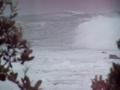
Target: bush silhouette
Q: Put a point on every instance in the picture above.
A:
(113, 80)
(13, 48)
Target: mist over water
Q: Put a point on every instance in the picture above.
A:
(55, 30)
(70, 30)
(68, 47)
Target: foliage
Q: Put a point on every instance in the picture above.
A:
(99, 84)
(113, 80)
(13, 48)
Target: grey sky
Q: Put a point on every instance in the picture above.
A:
(39, 6)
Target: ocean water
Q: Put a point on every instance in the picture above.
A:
(58, 62)
(54, 30)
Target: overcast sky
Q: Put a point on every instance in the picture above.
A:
(40, 6)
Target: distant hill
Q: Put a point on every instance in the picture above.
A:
(54, 17)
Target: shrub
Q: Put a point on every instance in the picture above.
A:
(113, 80)
(13, 48)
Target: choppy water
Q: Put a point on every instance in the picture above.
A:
(51, 29)
(60, 66)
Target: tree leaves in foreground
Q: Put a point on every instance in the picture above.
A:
(113, 80)
(13, 48)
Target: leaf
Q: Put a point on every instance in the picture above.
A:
(30, 58)
(10, 65)
(4, 58)
(1, 33)
(29, 51)
(38, 84)
(5, 70)
(27, 81)
(12, 76)
(22, 80)
(2, 77)
(6, 53)
(13, 16)
(21, 87)
(1, 4)
(2, 41)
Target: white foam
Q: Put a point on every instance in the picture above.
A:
(100, 33)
